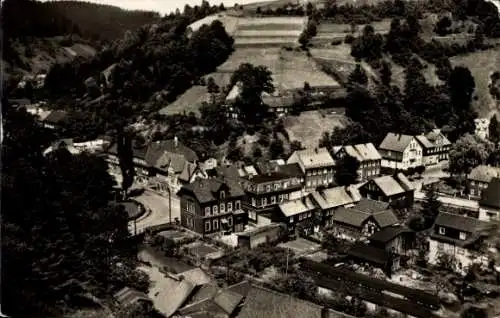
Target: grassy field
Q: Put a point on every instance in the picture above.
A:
(309, 127)
(190, 101)
(482, 65)
(271, 26)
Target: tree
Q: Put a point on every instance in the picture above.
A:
(62, 235)
(347, 171)
(257, 153)
(468, 152)
(358, 77)
(126, 159)
(276, 148)
(368, 46)
(296, 145)
(386, 73)
(443, 25)
(474, 312)
(431, 206)
(254, 81)
(494, 130)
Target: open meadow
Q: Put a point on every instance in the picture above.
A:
(309, 126)
(188, 102)
(482, 64)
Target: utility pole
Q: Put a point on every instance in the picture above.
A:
(286, 268)
(169, 204)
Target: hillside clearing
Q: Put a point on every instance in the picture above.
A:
(482, 65)
(308, 127)
(188, 102)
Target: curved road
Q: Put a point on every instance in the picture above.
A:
(157, 206)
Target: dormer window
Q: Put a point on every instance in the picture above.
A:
(222, 194)
(442, 230)
(463, 236)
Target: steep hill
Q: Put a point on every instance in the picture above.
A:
(37, 34)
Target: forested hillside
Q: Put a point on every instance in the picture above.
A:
(23, 21)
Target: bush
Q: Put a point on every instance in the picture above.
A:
(336, 42)
(348, 39)
(417, 224)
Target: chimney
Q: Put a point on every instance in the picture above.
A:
(176, 141)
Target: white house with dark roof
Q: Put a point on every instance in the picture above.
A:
(368, 156)
(459, 237)
(299, 211)
(401, 152)
(317, 165)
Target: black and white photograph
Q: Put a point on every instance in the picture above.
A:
(250, 159)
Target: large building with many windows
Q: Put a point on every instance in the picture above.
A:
(212, 205)
(317, 165)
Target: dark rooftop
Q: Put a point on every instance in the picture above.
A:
(458, 222)
(387, 234)
(292, 169)
(205, 190)
(56, 117)
(370, 254)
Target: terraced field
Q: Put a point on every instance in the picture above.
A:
(328, 32)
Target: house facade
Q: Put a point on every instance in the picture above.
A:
(299, 215)
(458, 238)
(264, 192)
(397, 190)
(363, 220)
(479, 179)
(211, 206)
(441, 144)
(317, 165)
(329, 200)
(401, 152)
(370, 161)
(489, 205)
(396, 239)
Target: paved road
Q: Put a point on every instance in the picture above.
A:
(158, 207)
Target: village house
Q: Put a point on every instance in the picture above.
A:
(299, 214)
(329, 200)
(279, 105)
(489, 205)
(317, 165)
(363, 220)
(479, 178)
(264, 192)
(401, 152)
(397, 190)
(440, 143)
(367, 155)
(261, 235)
(164, 165)
(364, 254)
(55, 120)
(457, 237)
(212, 205)
(396, 239)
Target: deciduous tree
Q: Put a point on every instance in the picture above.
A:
(347, 171)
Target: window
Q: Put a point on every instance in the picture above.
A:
(268, 188)
(230, 220)
(291, 219)
(229, 206)
(254, 203)
(273, 199)
(463, 236)
(442, 231)
(207, 211)
(252, 215)
(276, 186)
(324, 171)
(216, 225)
(190, 206)
(460, 251)
(237, 205)
(215, 209)
(309, 214)
(308, 183)
(285, 185)
(207, 226)
(222, 194)
(440, 246)
(264, 201)
(280, 198)
(222, 208)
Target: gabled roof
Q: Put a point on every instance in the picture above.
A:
(175, 146)
(294, 207)
(313, 158)
(391, 185)
(188, 171)
(335, 197)
(362, 152)
(395, 142)
(205, 189)
(365, 209)
(484, 173)
(426, 143)
(292, 169)
(389, 233)
(458, 222)
(385, 218)
(491, 197)
(371, 206)
(228, 300)
(350, 217)
(436, 134)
